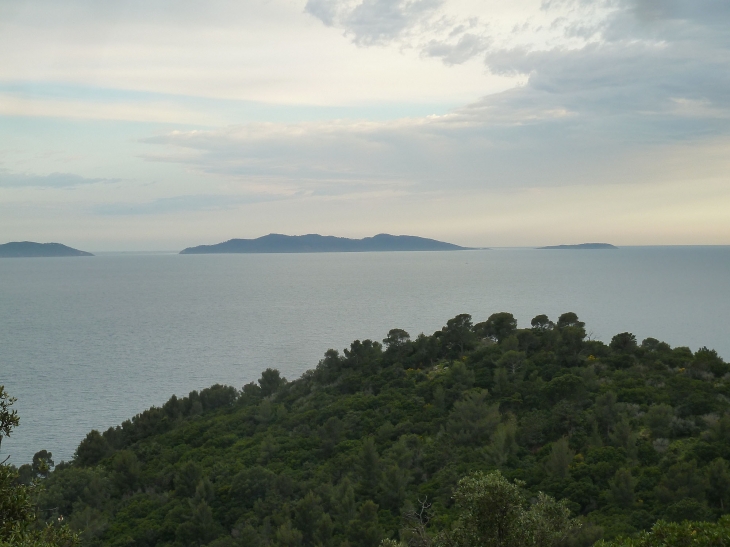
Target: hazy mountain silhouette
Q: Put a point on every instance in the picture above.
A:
(315, 243)
(21, 249)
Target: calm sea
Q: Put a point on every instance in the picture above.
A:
(86, 343)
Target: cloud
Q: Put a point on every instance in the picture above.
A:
(9, 179)
(629, 82)
(622, 101)
(467, 46)
(179, 204)
(169, 111)
(485, 147)
(642, 78)
(599, 55)
(371, 22)
(269, 51)
(457, 32)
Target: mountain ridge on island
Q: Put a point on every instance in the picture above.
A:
(315, 243)
(581, 246)
(31, 249)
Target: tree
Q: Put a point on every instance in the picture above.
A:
(457, 335)
(92, 449)
(699, 534)
(363, 355)
(364, 530)
(659, 419)
(570, 319)
(397, 344)
(126, 471)
(541, 323)
(8, 417)
(287, 536)
(494, 512)
(396, 338)
(503, 443)
(187, 479)
(331, 434)
(309, 517)
(498, 326)
(42, 463)
(473, 420)
(622, 488)
(561, 456)
(512, 361)
(369, 467)
(17, 510)
(270, 381)
(605, 410)
(718, 479)
(624, 342)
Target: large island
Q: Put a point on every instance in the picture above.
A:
(30, 249)
(315, 243)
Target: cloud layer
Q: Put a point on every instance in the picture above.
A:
(52, 180)
(564, 103)
(643, 99)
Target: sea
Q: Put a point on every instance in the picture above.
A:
(86, 343)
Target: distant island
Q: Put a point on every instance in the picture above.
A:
(315, 243)
(582, 246)
(30, 249)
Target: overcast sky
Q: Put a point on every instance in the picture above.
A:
(159, 124)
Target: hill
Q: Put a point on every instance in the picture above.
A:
(627, 432)
(315, 243)
(581, 246)
(24, 249)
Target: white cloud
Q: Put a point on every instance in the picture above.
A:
(260, 50)
(9, 179)
(150, 111)
(477, 149)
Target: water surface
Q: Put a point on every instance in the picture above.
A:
(86, 343)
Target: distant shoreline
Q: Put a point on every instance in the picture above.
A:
(581, 246)
(315, 243)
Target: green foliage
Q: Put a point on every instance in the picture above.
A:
(18, 524)
(496, 513)
(8, 416)
(627, 434)
(684, 534)
(498, 326)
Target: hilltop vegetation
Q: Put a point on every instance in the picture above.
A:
(627, 433)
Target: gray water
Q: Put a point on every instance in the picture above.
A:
(86, 343)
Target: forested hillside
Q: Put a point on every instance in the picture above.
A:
(627, 432)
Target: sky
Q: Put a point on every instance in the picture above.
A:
(161, 124)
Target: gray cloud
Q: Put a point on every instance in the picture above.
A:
(630, 55)
(324, 10)
(9, 179)
(467, 46)
(667, 64)
(372, 21)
